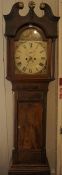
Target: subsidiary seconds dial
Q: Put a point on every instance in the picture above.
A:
(30, 56)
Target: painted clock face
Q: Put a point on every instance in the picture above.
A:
(30, 52)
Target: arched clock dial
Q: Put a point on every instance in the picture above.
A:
(30, 56)
(30, 51)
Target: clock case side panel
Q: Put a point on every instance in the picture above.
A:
(10, 59)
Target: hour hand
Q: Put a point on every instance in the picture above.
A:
(30, 58)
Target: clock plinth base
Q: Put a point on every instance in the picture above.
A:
(32, 169)
(26, 167)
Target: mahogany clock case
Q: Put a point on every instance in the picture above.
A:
(29, 154)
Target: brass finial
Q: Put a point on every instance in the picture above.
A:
(42, 5)
(31, 4)
(21, 5)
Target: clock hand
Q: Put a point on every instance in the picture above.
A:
(30, 59)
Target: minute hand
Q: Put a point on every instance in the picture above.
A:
(30, 59)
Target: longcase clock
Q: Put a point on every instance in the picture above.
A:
(30, 68)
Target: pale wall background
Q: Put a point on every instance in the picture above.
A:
(7, 96)
(59, 109)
